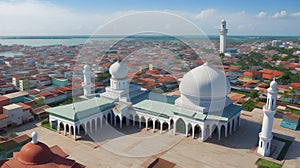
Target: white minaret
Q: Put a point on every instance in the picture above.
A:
(86, 80)
(223, 36)
(265, 136)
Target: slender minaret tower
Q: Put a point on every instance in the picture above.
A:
(265, 136)
(87, 80)
(223, 36)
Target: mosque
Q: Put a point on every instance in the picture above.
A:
(202, 109)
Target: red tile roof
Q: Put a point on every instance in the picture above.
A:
(24, 106)
(3, 116)
(251, 73)
(296, 86)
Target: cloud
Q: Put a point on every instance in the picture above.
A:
(297, 14)
(261, 14)
(280, 14)
(205, 14)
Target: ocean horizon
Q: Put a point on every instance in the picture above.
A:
(73, 40)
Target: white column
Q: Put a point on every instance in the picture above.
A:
(153, 123)
(146, 124)
(174, 128)
(65, 131)
(226, 130)
(85, 128)
(140, 123)
(58, 127)
(133, 120)
(161, 128)
(193, 132)
(169, 126)
(74, 130)
(101, 118)
(203, 132)
(186, 129)
(78, 129)
(121, 121)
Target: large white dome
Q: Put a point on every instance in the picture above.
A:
(118, 70)
(205, 82)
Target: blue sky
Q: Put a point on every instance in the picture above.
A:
(66, 17)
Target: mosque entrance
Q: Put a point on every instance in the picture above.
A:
(180, 126)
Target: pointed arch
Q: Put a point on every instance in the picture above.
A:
(180, 126)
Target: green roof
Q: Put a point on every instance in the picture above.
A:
(227, 114)
(82, 109)
(167, 110)
(156, 108)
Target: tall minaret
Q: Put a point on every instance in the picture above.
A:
(87, 80)
(223, 36)
(265, 136)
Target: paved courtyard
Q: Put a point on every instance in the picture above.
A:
(131, 147)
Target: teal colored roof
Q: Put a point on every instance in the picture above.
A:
(227, 114)
(82, 109)
(156, 108)
(290, 124)
(167, 110)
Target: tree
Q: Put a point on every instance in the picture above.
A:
(222, 55)
(254, 94)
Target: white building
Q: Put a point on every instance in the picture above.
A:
(86, 80)
(265, 136)
(223, 36)
(15, 113)
(203, 109)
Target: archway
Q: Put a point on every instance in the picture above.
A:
(223, 131)
(171, 124)
(131, 119)
(214, 131)
(150, 123)
(99, 122)
(72, 130)
(93, 125)
(165, 126)
(124, 121)
(197, 131)
(61, 127)
(117, 120)
(88, 127)
(109, 119)
(67, 129)
(143, 122)
(81, 129)
(190, 130)
(157, 125)
(136, 120)
(180, 126)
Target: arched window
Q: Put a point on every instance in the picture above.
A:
(268, 145)
(261, 144)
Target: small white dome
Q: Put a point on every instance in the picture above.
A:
(223, 21)
(205, 82)
(118, 70)
(273, 85)
(86, 67)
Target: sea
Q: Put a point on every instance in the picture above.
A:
(76, 40)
